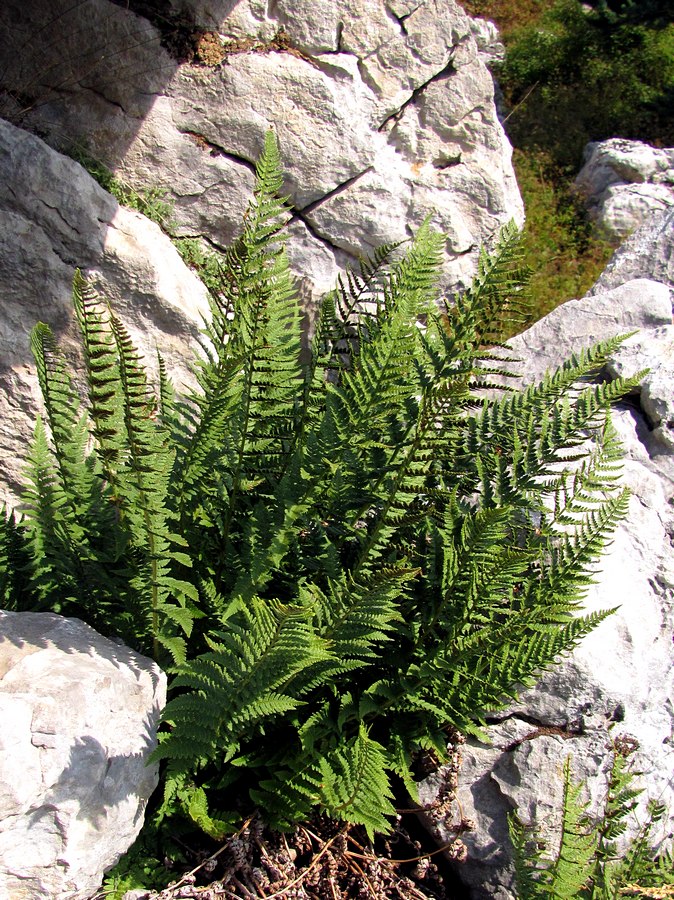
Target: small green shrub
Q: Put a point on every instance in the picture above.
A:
(576, 76)
(339, 559)
(586, 863)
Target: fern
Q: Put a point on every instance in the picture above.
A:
(569, 871)
(355, 785)
(339, 558)
(586, 862)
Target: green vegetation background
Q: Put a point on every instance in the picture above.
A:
(575, 73)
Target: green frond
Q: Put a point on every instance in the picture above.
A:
(241, 682)
(355, 786)
(361, 295)
(619, 806)
(91, 519)
(584, 862)
(528, 861)
(16, 588)
(496, 304)
(347, 317)
(573, 865)
(569, 569)
(48, 521)
(251, 380)
(194, 802)
(290, 793)
(569, 872)
(357, 617)
(102, 372)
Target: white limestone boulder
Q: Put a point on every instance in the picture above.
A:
(55, 218)
(648, 253)
(79, 717)
(384, 111)
(624, 183)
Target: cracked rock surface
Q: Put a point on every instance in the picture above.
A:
(619, 681)
(53, 218)
(384, 111)
(79, 716)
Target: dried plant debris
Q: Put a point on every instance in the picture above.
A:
(329, 860)
(324, 860)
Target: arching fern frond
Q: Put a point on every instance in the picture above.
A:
(240, 682)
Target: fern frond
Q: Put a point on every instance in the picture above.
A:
(573, 865)
(147, 463)
(102, 376)
(356, 617)
(355, 786)
(92, 520)
(246, 417)
(528, 861)
(48, 520)
(290, 793)
(569, 872)
(91, 537)
(241, 682)
(497, 303)
(568, 571)
(16, 588)
(194, 803)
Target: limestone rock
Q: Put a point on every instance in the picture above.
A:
(384, 111)
(54, 218)
(637, 304)
(619, 681)
(652, 350)
(488, 41)
(79, 716)
(624, 183)
(648, 253)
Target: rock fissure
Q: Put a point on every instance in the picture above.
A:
(58, 212)
(400, 20)
(339, 189)
(339, 36)
(280, 43)
(366, 77)
(313, 230)
(470, 249)
(566, 732)
(76, 86)
(207, 144)
(535, 722)
(447, 70)
(212, 243)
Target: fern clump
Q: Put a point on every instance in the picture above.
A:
(338, 559)
(587, 863)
